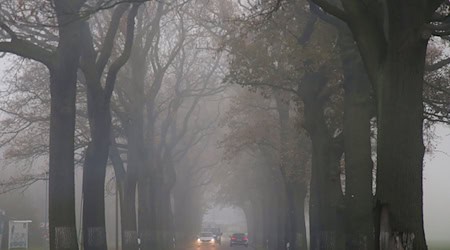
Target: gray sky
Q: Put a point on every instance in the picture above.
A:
(437, 188)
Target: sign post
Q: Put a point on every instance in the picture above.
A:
(18, 234)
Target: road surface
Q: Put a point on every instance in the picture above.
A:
(224, 246)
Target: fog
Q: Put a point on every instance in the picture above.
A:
(213, 124)
(436, 186)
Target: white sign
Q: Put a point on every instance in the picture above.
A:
(18, 234)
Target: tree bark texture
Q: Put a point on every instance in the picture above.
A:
(63, 79)
(393, 48)
(99, 114)
(358, 108)
(294, 189)
(94, 231)
(326, 208)
(400, 146)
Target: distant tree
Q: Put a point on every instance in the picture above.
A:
(267, 129)
(294, 57)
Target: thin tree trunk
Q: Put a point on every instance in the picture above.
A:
(128, 212)
(167, 220)
(266, 222)
(300, 226)
(168, 184)
(273, 223)
(127, 192)
(250, 217)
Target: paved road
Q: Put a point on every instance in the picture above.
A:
(224, 246)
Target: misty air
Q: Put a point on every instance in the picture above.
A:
(224, 124)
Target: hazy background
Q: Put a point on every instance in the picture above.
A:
(437, 188)
(436, 191)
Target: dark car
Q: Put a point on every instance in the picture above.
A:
(239, 239)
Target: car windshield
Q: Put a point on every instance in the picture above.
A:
(239, 235)
(206, 235)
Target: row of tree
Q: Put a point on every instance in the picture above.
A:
(132, 84)
(354, 79)
(128, 86)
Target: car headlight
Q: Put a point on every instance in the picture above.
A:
(198, 240)
(212, 240)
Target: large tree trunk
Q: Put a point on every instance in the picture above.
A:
(294, 189)
(63, 79)
(393, 48)
(358, 162)
(326, 209)
(400, 141)
(296, 216)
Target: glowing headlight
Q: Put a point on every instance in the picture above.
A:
(212, 240)
(198, 240)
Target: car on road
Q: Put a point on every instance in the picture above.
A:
(206, 238)
(216, 232)
(238, 239)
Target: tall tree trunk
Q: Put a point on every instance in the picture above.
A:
(296, 233)
(169, 179)
(358, 162)
(158, 216)
(266, 222)
(393, 48)
(249, 214)
(300, 221)
(273, 223)
(141, 155)
(94, 172)
(258, 222)
(128, 212)
(294, 189)
(126, 184)
(166, 216)
(99, 98)
(326, 194)
(63, 79)
(400, 141)
(281, 217)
